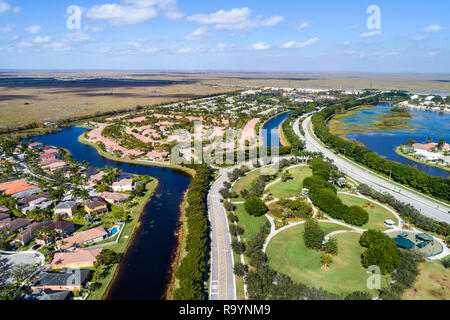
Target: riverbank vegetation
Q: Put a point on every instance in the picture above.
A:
(438, 187)
(192, 268)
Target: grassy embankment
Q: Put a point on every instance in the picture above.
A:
(127, 235)
(433, 283)
(288, 254)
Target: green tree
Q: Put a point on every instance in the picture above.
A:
(331, 246)
(107, 257)
(326, 259)
(313, 234)
(256, 207)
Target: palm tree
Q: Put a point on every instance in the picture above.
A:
(429, 139)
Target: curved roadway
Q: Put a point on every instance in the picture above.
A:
(428, 206)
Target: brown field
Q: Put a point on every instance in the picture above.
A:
(39, 97)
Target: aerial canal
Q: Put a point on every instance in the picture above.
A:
(143, 273)
(271, 138)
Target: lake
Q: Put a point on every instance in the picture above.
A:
(423, 124)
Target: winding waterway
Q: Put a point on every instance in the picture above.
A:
(270, 138)
(143, 272)
(423, 124)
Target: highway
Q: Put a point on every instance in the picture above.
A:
(222, 280)
(428, 206)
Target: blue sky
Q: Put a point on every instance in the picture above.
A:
(231, 35)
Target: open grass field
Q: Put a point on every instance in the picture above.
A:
(49, 96)
(250, 224)
(290, 188)
(377, 214)
(245, 182)
(433, 283)
(288, 254)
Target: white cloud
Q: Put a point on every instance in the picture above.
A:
(168, 6)
(6, 29)
(4, 6)
(58, 46)
(259, 46)
(40, 39)
(77, 36)
(347, 43)
(303, 26)
(25, 44)
(370, 34)
(234, 19)
(137, 43)
(434, 28)
(33, 29)
(16, 10)
(94, 29)
(189, 50)
(294, 44)
(419, 38)
(432, 53)
(121, 15)
(104, 50)
(198, 35)
(221, 47)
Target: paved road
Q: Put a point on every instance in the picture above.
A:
(222, 285)
(12, 259)
(427, 206)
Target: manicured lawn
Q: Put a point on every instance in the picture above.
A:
(250, 224)
(288, 254)
(433, 283)
(290, 188)
(377, 214)
(245, 182)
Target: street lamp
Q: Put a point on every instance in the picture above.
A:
(344, 151)
(390, 174)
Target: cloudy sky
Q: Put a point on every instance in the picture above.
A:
(283, 35)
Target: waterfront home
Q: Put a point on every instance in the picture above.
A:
(48, 157)
(97, 177)
(114, 198)
(66, 208)
(96, 205)
(35, 145)
(80, 258)
(46, 295)
(157, 155)
(64, 280)
(55, 165)
(123, 185)
(82, 238)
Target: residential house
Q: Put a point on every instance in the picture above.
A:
(24, 202)
(123, 185)
(157, 155)
(114, 198)
(28, 234)
(46, 295)
(82, 238)
(16, 225)
(80, 258)
(4, 209)
(35, 145)
(19, 189)
(61, 227)
(64, 280)
(97, 177)
(96, 206)
(66, 208)
(40, 203)
(4, 216)
(48, 157)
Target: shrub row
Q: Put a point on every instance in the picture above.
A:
(323, 195)
(191, 271)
